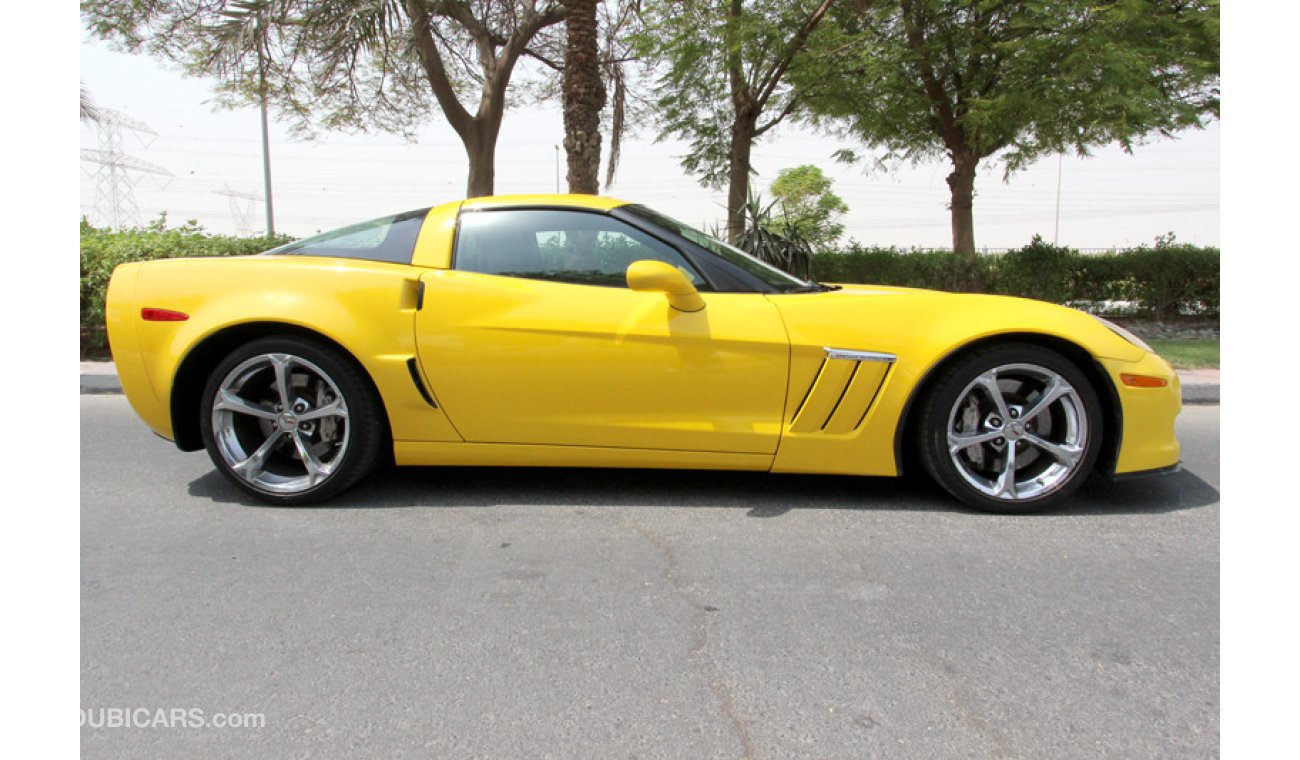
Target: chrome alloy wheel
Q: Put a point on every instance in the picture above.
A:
(1017, 432)
(280, 423)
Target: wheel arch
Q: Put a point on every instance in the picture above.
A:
(905, 453)
(203, 358)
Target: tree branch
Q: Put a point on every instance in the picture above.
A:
(949, 131)
(435, 71)
(735, 67)
(484, 40)
(543, 59)
(792, 49)
(789, 108)
(494, 92)
(534, 22)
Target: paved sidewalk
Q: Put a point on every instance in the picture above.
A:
(1200, 386)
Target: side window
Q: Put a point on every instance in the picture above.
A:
(564, 246)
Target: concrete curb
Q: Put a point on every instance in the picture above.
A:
(99, 384)
(1201, 394)
(1200, 386)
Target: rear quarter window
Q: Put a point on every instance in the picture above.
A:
(389, 238)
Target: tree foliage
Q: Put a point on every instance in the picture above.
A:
(1015, 79)
(347, 64)
(722, 69)
(810, 210)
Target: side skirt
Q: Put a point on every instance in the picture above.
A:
(423, 453)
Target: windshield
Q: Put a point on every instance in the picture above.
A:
(769, 274)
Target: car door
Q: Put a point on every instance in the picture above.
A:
(533, 337)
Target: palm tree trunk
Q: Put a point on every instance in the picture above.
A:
(584, 97)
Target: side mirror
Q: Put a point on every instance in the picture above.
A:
(658, 276)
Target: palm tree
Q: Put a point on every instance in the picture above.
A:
(89, 111)
(584, 96)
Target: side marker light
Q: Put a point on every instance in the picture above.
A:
(162, 315)
(1143, 381)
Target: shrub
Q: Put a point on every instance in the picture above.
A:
(1166, 280)
(1039, 270)
(1173, 278)
(887, 266)
(787, 249)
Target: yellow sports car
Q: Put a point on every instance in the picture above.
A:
(581, 331)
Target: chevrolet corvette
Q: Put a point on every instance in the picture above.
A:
(583, 331)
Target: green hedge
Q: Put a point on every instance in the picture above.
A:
(1166, 280)
(102, 250)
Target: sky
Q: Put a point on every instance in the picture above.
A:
(1109, 199)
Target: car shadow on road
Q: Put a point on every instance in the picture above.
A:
(1157, 493)
(759, 494)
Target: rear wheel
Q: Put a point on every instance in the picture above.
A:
(1011, 428)
(291, 420)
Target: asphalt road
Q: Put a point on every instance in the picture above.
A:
(576, 613)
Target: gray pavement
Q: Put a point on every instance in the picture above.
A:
(458, 612)
(1200, 386)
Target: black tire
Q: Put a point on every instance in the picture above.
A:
(330, 439)
(1035, 457)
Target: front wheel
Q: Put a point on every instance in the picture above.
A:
(291, 420)
(1013, 428)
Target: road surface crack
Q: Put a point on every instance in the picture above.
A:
(699, 639)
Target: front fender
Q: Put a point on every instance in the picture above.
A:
(920, 329)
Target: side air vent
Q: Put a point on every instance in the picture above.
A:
(842, 392)
(415, 378)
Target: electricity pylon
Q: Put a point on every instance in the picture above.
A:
(241, 208)
(116, 173)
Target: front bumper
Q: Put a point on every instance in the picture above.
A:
(1156, 473)
(1147, 441)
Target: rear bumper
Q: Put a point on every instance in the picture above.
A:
(122, 316)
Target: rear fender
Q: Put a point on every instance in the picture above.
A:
(370, 316)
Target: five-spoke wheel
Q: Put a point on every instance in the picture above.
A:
(1012, 428)
(291, 420)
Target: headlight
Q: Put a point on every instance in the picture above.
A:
(1125, 334)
